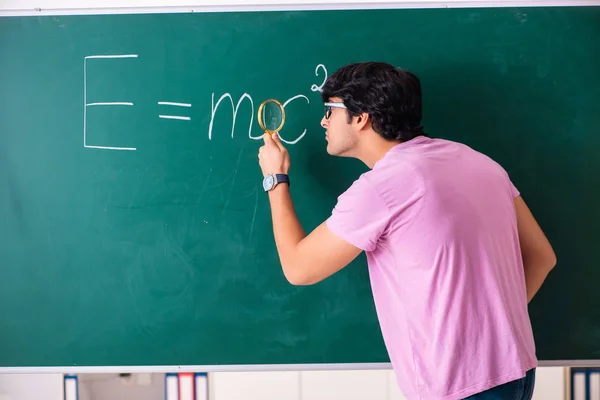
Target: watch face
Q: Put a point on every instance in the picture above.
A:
(268, 182)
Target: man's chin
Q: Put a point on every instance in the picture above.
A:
(335, 153)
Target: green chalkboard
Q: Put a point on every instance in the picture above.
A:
(131, 238)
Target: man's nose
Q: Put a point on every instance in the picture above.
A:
(324, 122)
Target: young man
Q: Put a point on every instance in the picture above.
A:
(454, 254)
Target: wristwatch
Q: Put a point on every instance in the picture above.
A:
(272, 180)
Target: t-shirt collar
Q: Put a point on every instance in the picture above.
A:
(403, 145)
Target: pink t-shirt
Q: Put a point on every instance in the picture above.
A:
(438, 224)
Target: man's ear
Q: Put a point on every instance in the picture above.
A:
(362, 121)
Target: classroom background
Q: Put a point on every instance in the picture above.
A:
(566, 108)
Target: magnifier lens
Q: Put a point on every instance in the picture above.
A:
(271, 116)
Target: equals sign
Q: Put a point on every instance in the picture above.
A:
(168, 103)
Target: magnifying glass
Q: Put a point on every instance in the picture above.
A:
(270, 112)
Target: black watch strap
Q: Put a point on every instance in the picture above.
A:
(282, 178)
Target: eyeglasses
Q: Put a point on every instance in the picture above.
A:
(330, 105)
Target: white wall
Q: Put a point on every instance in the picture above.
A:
(304, 385)
(347, 385)
(111, 386)
(293, 385)
(550, 383)
(31, 387)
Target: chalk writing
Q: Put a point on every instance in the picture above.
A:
(235, 106)
(170, 103)
(234, 110)
(316, 88)
(112, 103)
(174, 117)
(304, 132)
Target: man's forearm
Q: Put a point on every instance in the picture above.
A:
(287, 229)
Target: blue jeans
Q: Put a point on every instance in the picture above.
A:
(520, 389)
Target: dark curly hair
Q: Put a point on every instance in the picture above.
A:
(391, 96)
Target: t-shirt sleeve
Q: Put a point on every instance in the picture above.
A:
(360, 216)
(513, 190)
